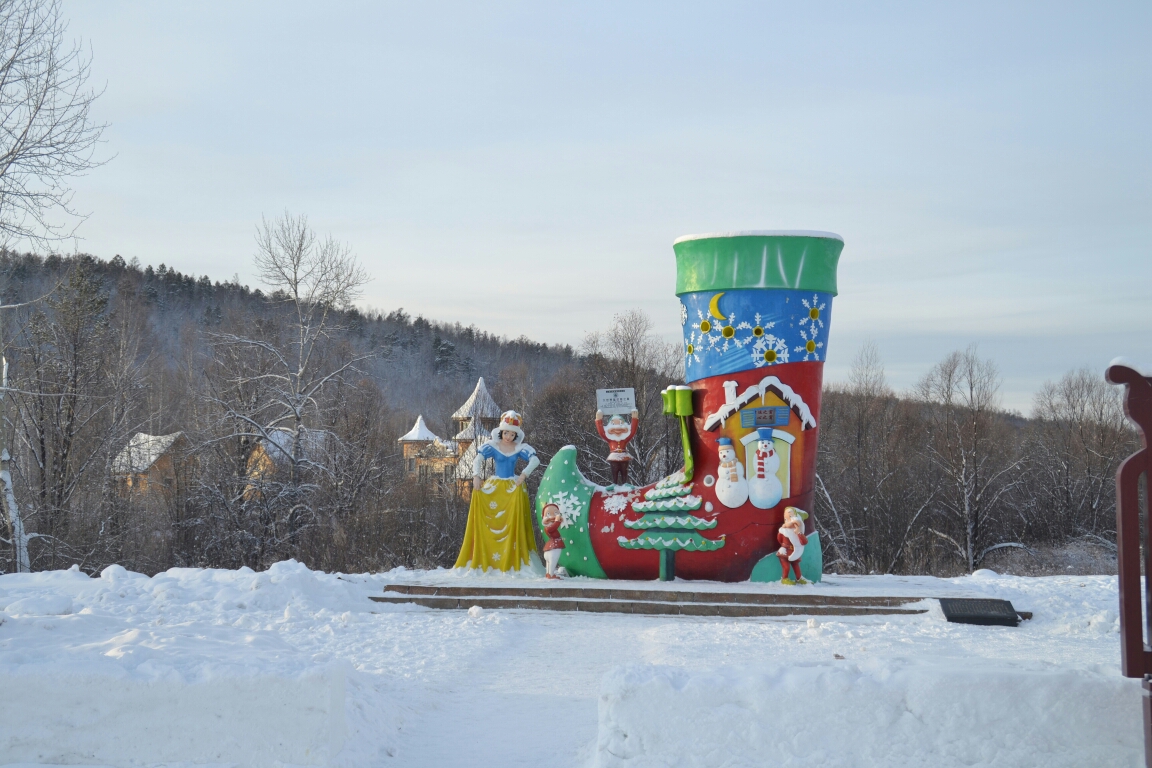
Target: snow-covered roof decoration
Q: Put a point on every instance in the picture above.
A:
(281, 438)
(473, 429)
(768, 383)
(479, 403)
(464, 465)
(438, 449)
(419, 433)
(142, 452)
(763, 233)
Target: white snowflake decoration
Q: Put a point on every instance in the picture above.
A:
(811, 348)
(691, 350)
(813, 317)
(706, 331)
(810, 326)
(712, 335)
(570, 508)
(683, 313)
(769, 350)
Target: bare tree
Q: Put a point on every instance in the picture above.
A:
(1078, 437)
(630, 354)
(78, 382)
(268, 384)
(47, 133)
(47, 136)
(971, 445)
(873, 485)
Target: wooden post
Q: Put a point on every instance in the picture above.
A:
(1135, 653)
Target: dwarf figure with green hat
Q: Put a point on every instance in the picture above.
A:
(792, 541)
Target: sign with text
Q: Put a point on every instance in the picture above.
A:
(774, 416)
(613, 401)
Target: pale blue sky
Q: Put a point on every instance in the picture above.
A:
(526, 167)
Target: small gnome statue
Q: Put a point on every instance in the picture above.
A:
(551, 520)
(792, 541)
(618, 433)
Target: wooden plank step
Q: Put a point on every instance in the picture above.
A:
(798, 596)
(643, 606)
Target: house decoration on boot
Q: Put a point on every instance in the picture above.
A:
(755, 308)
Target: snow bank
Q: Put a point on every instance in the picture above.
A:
(188, 666)
(119, 721)
(216, 667)
(890, 713)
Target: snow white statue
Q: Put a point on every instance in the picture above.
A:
(499, 531)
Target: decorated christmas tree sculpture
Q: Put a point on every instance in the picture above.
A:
(755, 309)
(666, 521)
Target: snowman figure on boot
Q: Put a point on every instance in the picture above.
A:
(792, 541)
(731, 487)
(764, 487)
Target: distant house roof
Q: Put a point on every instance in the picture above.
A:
(480, 403)
(419, 433)
(142, 452)
(313, 445)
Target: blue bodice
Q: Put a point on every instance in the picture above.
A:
(506, 464)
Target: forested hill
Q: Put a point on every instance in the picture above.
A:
(421, 365)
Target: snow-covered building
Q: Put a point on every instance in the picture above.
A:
(428, 457)
(272, 455)
(479, 415)
(149, 463)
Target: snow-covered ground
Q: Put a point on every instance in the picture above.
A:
(295, 667)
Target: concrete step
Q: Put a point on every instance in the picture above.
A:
(645, 601)
(799, 595)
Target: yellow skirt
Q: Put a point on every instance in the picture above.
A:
(499, 531)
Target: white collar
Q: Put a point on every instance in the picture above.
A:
(497, 443)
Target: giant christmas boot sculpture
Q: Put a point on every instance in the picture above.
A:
(756, 309)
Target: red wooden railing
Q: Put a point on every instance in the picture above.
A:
(1135, 612)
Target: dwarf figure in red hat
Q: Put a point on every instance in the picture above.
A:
(618, 433)
(792, 541)
(551, 520)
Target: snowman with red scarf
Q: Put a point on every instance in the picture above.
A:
(764, 488)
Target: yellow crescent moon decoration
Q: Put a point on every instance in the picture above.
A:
(714, 307)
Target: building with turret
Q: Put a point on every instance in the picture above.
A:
(428, 458)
